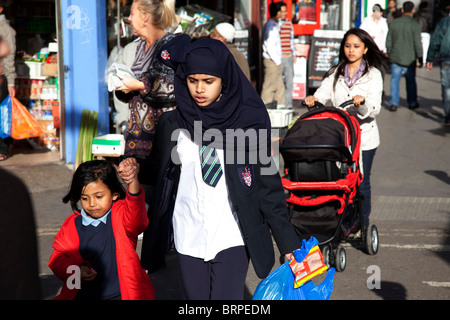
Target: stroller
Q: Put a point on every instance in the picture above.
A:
(321, 152)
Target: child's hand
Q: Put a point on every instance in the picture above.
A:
(87, 273)
(128, 170)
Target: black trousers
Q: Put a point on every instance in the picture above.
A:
(222, 278)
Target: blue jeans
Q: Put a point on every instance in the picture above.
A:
(445, 83)
(411, 86)
(365, 192)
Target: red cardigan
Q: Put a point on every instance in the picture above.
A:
(129, 219)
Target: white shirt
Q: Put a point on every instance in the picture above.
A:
(271, 42)
(377, 30)
(203, 221)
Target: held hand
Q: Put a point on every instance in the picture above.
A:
(128, 170)
(290, 255)
(12, 91)
(130, 84)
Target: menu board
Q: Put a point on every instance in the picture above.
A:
(324, 54)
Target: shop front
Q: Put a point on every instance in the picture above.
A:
(64, 48)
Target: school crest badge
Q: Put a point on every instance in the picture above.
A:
(246, 176)
(165, 55)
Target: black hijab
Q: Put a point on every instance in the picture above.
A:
(239, 107)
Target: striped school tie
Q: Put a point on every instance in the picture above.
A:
(211, 168)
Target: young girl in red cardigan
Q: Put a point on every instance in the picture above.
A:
(95, 250)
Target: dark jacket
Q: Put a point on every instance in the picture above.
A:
(403, 42)
(260, 208)
(439, 48)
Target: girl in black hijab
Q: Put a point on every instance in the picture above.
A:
(220, 211)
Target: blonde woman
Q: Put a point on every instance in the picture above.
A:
(151, 92)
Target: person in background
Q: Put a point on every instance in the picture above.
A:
(425, 19)
(358, 76)
(273, 86)
(391, 12)
(8, 75)
(288, 55)
(377, 27)
(439, 51)
(404, 49)
(225, 32)
(151, 92)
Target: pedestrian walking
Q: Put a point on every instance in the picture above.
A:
(288, 55)
(425, 19)
(225, 32)
(377, 27)
(358, 76)
(7, 71)
(273, 86)
(439, 51)
(391, 12)
(100, 239)
(222, 211)
(404, 49)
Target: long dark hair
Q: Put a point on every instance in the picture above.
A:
(374, 56)
(91, 171)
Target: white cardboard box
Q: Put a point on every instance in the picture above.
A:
(280, 118)
(108, 145)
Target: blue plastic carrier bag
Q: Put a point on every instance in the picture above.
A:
(279, 285)
(5, 118)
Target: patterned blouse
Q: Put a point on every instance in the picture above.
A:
(147, 105)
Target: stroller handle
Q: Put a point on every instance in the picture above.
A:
(345, 104)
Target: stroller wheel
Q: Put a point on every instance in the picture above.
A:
(340, 259)
(326, 254)
(372, 243)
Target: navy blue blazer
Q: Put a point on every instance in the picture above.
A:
(260, 205)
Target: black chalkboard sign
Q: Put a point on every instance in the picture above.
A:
(324, 54)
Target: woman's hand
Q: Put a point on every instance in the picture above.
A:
(358, 100)
(130, 84)
(310, 100)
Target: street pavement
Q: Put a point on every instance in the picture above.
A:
(411, 208)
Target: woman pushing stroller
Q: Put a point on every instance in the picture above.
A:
(358, 77)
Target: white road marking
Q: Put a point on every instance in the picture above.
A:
(437, 284)
(432, 247)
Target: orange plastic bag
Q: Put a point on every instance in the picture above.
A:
(23, 124)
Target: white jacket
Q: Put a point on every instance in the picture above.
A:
(369, 86)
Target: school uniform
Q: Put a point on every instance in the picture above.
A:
(121, 227)
(244, 209)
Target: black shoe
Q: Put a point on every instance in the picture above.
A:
(446, 123)
(414, 107)
(393, 107)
